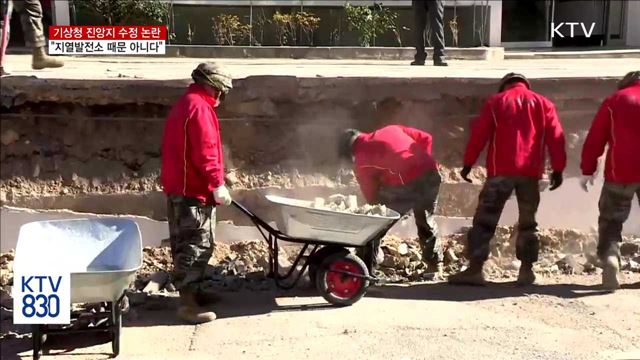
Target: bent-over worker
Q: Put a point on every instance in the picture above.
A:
(394, 167)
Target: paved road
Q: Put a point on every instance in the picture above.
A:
(425, 321)
(180, 68)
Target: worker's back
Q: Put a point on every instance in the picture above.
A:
(399, 154)
(617, 124)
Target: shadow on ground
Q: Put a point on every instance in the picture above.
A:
(56, 345)
(252, 303)
(162, 313)
(444, 292)
(228, 305)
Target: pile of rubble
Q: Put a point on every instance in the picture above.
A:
(562, 251)
(8, 330)
(241, 265)
(6, 280)
(244, 265)
(349, 204)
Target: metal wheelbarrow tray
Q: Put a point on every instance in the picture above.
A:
(341, 277)
(102, 256)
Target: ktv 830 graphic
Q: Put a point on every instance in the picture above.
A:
(41, 297)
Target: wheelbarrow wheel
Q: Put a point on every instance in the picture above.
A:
(37, 337)
(116, 329)
(335, 283)
(316, 259)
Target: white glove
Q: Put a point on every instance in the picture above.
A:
(586, 181)
(222, 196)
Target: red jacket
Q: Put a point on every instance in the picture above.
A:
(394, 155)
(617, 124)
(518, 124)
(191, 147)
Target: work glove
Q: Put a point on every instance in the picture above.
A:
(464, 173)
(555, 180)
(586, 181)
(222, 196)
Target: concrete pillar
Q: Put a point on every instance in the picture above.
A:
(61, 13)
(632, 33)
(495, 23)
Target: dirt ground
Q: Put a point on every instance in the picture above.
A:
(566, 317)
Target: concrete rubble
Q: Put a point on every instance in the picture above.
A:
(244, 266)
(349, 204)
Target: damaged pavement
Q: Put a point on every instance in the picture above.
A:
(242, 267)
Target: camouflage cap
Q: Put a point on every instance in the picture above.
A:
(214, 75)
(629, 79)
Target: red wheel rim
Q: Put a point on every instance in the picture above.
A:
(343, 285)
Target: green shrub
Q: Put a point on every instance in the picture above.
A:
(370, 22)
(127, 12)
(285, 27)
(228, 30)
(288, 26)
(308, 23)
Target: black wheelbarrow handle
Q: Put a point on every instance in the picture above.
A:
(254, 218)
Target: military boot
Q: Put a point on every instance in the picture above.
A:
(206, 297)
(440, 62)
(472, 276)
(41, 60)
(610, 269)
(526, 276)
(191, 312)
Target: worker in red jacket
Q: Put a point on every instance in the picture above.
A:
(617, 124)
(193, 179)
(394, 167)
(519, 125)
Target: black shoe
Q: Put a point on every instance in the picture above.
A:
(440, 63)
(2, 72)
(417, 62)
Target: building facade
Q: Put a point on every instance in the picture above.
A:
(507, 23)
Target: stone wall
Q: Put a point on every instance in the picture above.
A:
(104, 136)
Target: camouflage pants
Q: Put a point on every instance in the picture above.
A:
(614, 205)
(494, 195)
(30, 12)
(191, 226)
(421, 196)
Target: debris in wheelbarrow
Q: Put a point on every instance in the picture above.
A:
(349, 204)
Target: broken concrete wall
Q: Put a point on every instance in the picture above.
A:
(66, 143)
(270, 120)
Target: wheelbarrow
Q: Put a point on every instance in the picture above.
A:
(341, 277)
(102, 255)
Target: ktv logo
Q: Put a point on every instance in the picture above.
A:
(41, 298)
(555, 29)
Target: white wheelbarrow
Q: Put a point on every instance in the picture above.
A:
(340, 277)
(102, 255)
